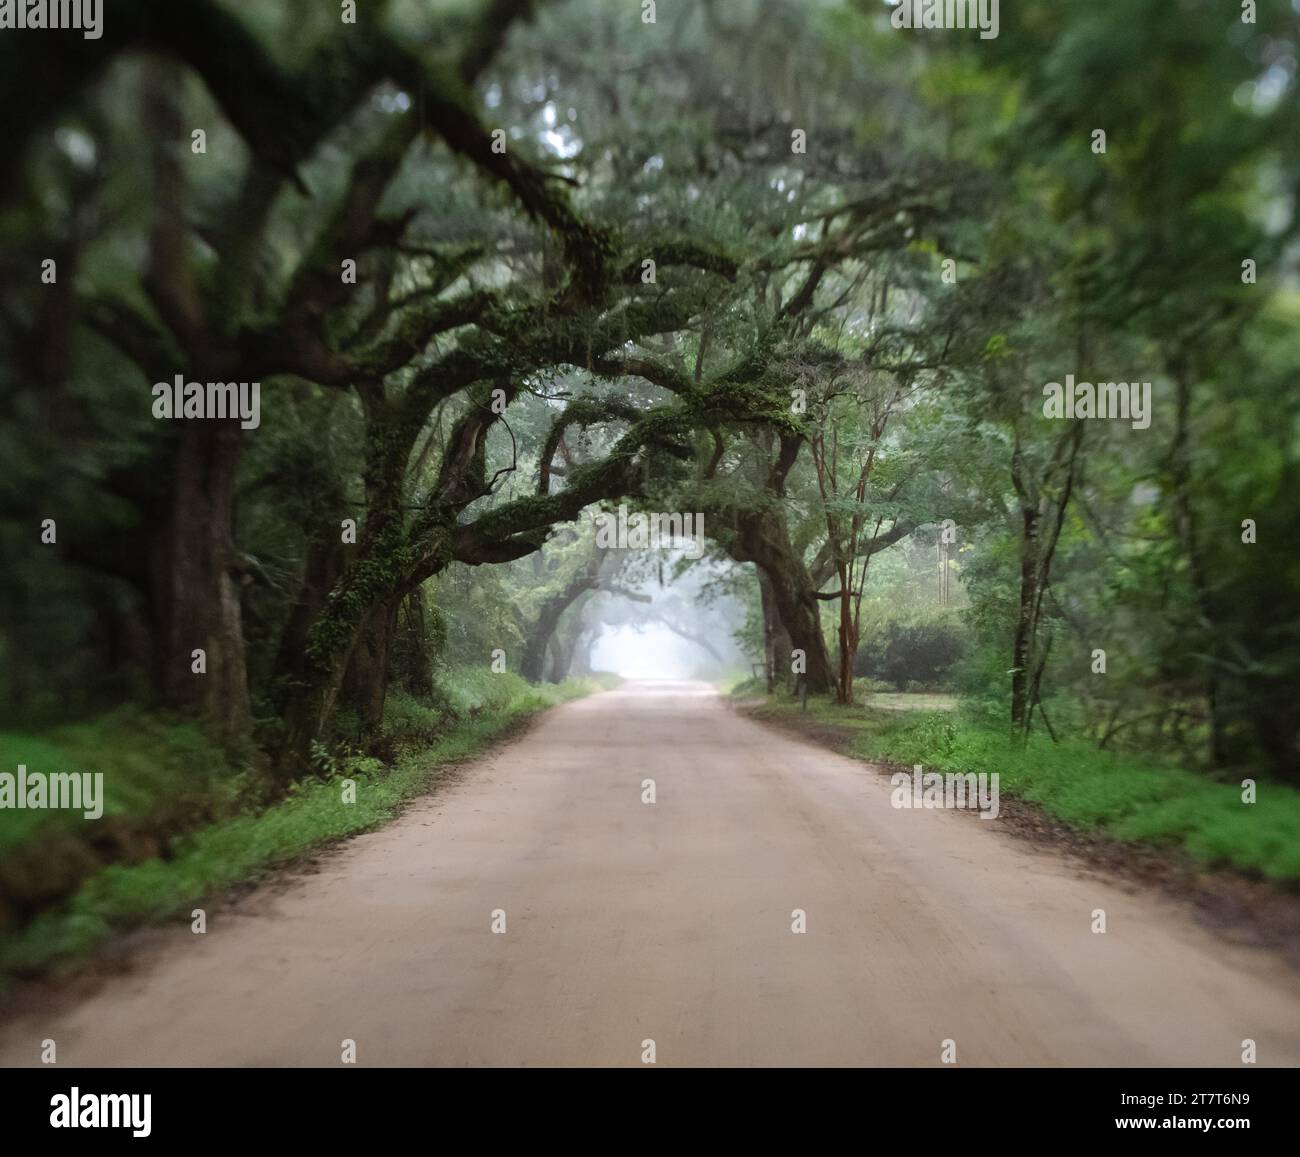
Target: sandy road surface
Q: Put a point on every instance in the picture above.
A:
(672, 921)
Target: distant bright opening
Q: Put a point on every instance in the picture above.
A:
(653, 653)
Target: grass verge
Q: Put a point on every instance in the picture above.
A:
(242, 848)
(1130, 798)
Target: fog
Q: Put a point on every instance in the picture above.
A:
(651, 653)
(678, 623)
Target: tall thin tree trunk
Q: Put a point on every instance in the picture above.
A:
(848, 640)
(1185, 520)
(1022, 644)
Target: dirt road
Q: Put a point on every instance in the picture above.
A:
(671, 921)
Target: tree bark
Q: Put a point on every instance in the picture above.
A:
(323, 565)
(197, 571)
(1023, 638)
(534, 660)
(776, 639)
(199, 580)
(848, 635)
(1036, 555)
(411, 646)
(365, 679)
(763, 540)
(563, 644)
(1185, 520)
(580, 653)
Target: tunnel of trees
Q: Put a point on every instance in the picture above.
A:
(497, 265)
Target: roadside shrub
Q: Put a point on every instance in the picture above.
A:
(913, 656)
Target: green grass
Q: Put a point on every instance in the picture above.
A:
(149, 762)
(242, 848)
(1123, 795)
(734, 679)
(910, 701)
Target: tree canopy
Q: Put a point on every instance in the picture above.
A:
(498, 265)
